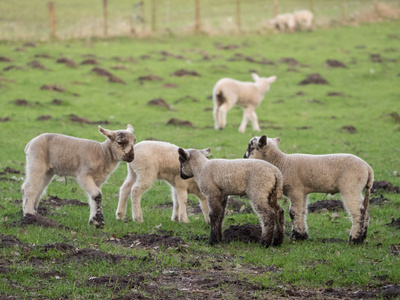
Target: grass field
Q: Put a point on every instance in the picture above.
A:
(357, 112)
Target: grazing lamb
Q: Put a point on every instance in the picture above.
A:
(284, 22)
(157, 160)
(332, 173)
(218, 178)
(90, 162)
(303, 19)
(228, 92)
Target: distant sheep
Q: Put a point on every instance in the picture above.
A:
(284, 22)
(303, 19)
(227, 92)
(90, 162)
(219, 178)
(332, 173)
(157, 160)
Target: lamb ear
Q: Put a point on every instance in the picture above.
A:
(108, 133)
(271, 79)
(129, 128)
(262, 141)
(255, 76)
(206, 152)
(183, 154)
(277, 140)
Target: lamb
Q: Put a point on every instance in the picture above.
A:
(303, 19)
(227, 92)
(90, 162)
(284, 22)
(157, 160)
(218, 178)
(332, 173)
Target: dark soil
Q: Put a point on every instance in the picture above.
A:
(93, 254)
(55, 202)
(376, 58)
(75, 118)
(167, 54)
(42, 56)
(330, 205)
(350, 129)
(37, 65)
(12, 67)
(105, 73)
(304, 127)
(394, 223)
(170, 85)
(10, 171)
(226, 47)
(314, 78)
(159, 102)
(149, 78)
(117, 283)
(9, 241)
(335, 63)
(56, 102)
(316, 101)
(395, 116)
(290, 61)
(148, 241)
(336, 94)
(187, 97)
(395, 249)
(68, 62)
(30, 44)
(90, 61)
(44, 118)
(379, 201)
(6, 119)
(52, 87)
(177, 122)
(183, 72)
(246, 233)
(37, 220)
(119, 68)
(385, 186)
(5, 59)
(238, 206)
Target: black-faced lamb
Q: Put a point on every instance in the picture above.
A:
(157, 160)
(90, 162)
(228, 92)
(219, 178)
(332, 173)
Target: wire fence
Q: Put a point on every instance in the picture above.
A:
(66, 19)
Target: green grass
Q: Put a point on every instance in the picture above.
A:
(371, 94)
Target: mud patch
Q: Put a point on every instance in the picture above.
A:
(170, 85)
(110, 76)
(42, 56)
(117, 283)
(68, 62)
(379, 201)
(5, 59)
(384, 186)
(93, 254)
(44, 118)
(376, 58)
(314, 78)
(330, 205)
(290, 61)
(159, 102)
(246, 233)
(149, 241)
(37, 220)
(183, 72)
(24, 102)
(394, 223)
(37, 65)
(10, 171)
(237, 206)
(89, 61)
(185, 98)
(6, 119)
(167, 54)
(180, 123)
(56, 102)
(75, 118)
(52, 87)
(335, 63)
(349, 129)
(9, 241)
(149, 78)
(55, 202)
(336, 94)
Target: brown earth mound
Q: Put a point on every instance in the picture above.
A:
(238, 206)
(350, 129)
(117, 283)
(6, 119)
(177, 122)
(385, 186)
(379, 201)
(290, 61)
(5, 59)
(246, 233)
(226, 47)
(187, 97)
(44, 118)
(10, 170)
(394, 223)
(75, 118)
(89, 61)
(55, 202)
(38, 220)
(335, 63)
(105, 73)
(149, 78)
(167, 54)
(159, 102)
(148, 240)
(56, 102)
(67, 61)
(330, 205)
(376, 58)
(336, 94)
(183, 72)
(29, 44)
(42, 56)
(9, 241)
(52, 87)
(314, 78)
(170, 85)
(37, 65)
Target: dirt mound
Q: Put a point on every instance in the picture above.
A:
(350, 129)
(93, 254)
(177, 122)
(89, 61)
(75, 118)
(55, 202)
(36, 65)
(149, 78)
(117, 283)
(395, 249)
(245, 233)
(183, 72)
(290, 61)
(12, 67)
(170, 85)
(29, 44)
(336, 94)
(105, 73)
(187, 97)
(335, 63)
(226, 47)
(52, 87)
(62, 247)
(21, 102)
(10, 170)
(37, 220)
(68, 62)
(376, 58)
(44, 118)
(314, 78)
(384, 186)
(148, 240)
(9, 241)
(5, 59)
(6, 119)
(42, 56)
(56, 102)
(379, 201)
(159, 102)
(394, 223)
(330, 205)
(167, 54)
(238, 206)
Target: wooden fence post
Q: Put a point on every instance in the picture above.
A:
(105, 17)
(276, 5)
(197, 16)
(344, 12)
(153, 16)
(52, 16)
(238, 21)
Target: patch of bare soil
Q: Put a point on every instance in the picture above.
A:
(379, 201)
(29, 44)
(93, 254)
(226, 47)
(235, 205)
(5, 59)
(75, 118)
(119, 68)
(12, 67)
(246, 233)
(42, 56)
(290, 61)
(148, 241)
(68, 62)
(395, 116)
(52, 87)
(316, 101)
(44, 118)
(90, 61)
(241, 57)
(376, 58)
(37, 220)
(336, 94)
(304, 127)
(170, 85)
(187, 97)
(167, 54)
(117, 283)
(105, 73)
(149, 78)
(394, 223)
(56, 102)
(178, 122)
(314, 78)
(35, 64)
(10, 170)
(159, 102)
(9, 241)
(350, 129)
(24, 102)
(55, 202)
(330, 205)
(124, 59)
(6, 119)
(145, 57)
(335, 63)
(183, 72)
(384, 186)
(395, 249)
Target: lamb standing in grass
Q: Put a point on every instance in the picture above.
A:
(303, 19)
(228, 92)
(284, 22)
(157, 160)
(333, 173)
(90, 162)
(219, 178)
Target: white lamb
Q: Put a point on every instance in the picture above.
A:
(332, 173)
(227, 92)
(90, 162)
(157, 160)
(219, 178)
(303, 19)
(284, 22)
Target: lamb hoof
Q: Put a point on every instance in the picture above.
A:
(297, 236)
(356, 241)
(265, 244)
(97, 224)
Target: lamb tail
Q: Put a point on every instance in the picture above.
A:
(368, 188)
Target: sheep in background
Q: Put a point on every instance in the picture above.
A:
(90, 162)
(303, 19)
(219, 178)
(227, 92)
(284, 22)
(332, 173)
(157, 160)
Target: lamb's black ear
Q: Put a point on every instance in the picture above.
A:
(182, 154)
(262, 142)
